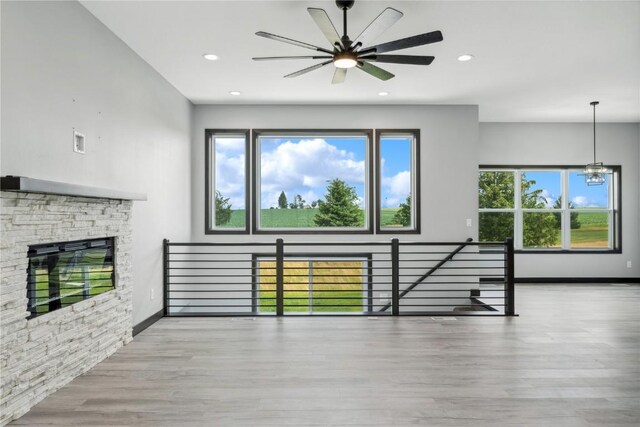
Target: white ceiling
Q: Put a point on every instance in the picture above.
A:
(534, 61)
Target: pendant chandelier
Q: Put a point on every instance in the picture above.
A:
(595, 173)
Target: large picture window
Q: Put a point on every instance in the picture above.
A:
(549, 208)
(227, 195)
(398, 181)
(308, 181)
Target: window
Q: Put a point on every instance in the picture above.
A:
(549, 208)
(227, 196)
(334, 284)
(398, 181)
(312, 181)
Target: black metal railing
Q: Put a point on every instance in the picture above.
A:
(329, 278)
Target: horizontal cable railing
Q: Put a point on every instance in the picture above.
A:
(350, 278)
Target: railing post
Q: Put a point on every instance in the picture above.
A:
(395, 277)
(279, 277)
(509, 285)
(165, 276)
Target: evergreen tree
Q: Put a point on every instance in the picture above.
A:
(282, 201)
(223, 209)
(340, 208)
(403, 216)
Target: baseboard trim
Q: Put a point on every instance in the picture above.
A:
(577, 279)
(148, 322)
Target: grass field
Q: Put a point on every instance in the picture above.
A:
(593, 231)
(332, 292)
(296, 218)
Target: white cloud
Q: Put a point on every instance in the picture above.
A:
(549, 200)
(227, 144)
(583, 201)
(304, 167)
(230, 179)
(396, 189)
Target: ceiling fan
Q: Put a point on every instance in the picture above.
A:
(347, 53)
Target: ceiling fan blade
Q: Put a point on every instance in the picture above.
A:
(339, 75)
(270, 58)
(375, 71)
(386, 19)
(400, 59)
(419, 40)
(306, 70)
(326, 26)
(293, 42)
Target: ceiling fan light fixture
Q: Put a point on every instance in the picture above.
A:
(466, 57)
(345, 60)
(210, 57)
(383, 93)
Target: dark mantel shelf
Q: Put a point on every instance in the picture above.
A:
(30, 185)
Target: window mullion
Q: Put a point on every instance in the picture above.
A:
(517, 204)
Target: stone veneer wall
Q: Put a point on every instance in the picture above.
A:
(40, 355)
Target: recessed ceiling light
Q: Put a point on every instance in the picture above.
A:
(466, 57)
(210, 56)
(234, 93)
(383, 93)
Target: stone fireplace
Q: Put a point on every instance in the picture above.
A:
(38, 355)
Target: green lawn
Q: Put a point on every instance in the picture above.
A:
(332, 291)
(296, 218)
(386, 217)
(593, 231)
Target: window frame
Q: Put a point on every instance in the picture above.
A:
(614, 210)
(415, 180)
(209, 218)
(368, 188)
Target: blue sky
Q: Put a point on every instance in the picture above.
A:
(396, 155)
(303, 166)
(580, 193)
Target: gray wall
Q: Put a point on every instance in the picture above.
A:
(571, 144)
(57, 52)
(449, 153)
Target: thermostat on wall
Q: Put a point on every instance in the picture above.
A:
(78, 142)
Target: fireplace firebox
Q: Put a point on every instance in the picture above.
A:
(61, 274)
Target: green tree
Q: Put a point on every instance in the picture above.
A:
(496, 190)
(340, 208)
(298, 202)
(575, 221)
(403, 216)
(282, 201)
(223, 209)
(314, 204)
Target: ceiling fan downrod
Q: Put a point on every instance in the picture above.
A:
(345, 5)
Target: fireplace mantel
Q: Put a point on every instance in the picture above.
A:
(31, 185)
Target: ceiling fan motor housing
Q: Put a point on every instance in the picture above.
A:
(345, 4)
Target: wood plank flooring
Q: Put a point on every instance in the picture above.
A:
(572, 358)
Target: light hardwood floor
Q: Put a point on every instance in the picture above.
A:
(571, 358)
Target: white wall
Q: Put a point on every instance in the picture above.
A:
(56, 52)
(571, 144)
(449, 152)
